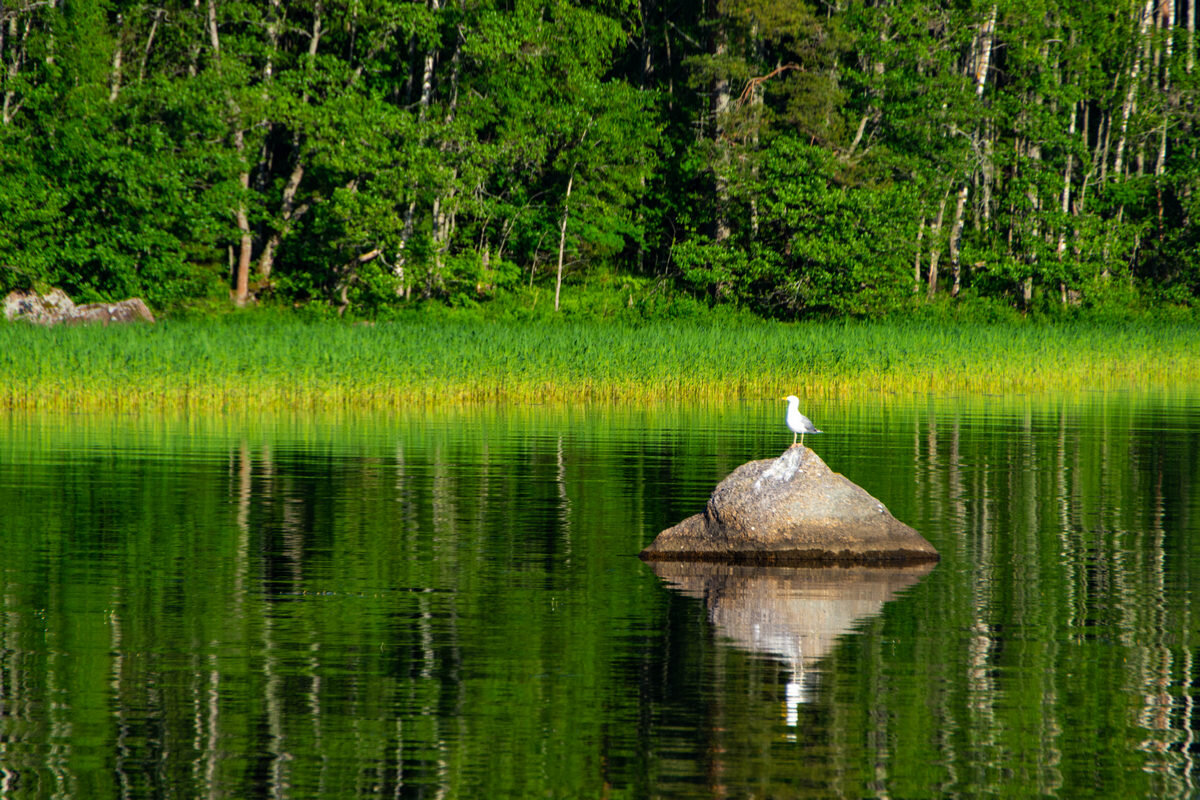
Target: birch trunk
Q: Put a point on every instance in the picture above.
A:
(1035, 203)
(562, 238)
(1034, 154)
(955, 238)
(427, 69)
(980, 64)
(1130, 102)
(984, 59)
(289, 212)
(194, 47)
(13, 68)
(1191, 36)
(988, 177)
(241, 275)
(721, 102)
(917, 260)
(444, 209)
(118, 56)
(935, 248)
(159, 13)
(1168, 46)
(756, 103)
(1065, 198)
(1102, 142)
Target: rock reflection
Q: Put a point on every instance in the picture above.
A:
(795, 614)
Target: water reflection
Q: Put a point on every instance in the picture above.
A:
(448, 604)
(795, 614)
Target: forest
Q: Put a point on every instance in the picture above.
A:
(790, 158)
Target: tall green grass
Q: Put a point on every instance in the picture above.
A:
(260, 361)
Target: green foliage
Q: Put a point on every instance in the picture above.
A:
(817, 247)
(791, 158)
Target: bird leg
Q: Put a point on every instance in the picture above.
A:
(793, 440)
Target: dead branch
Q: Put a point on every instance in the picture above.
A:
(761, 79)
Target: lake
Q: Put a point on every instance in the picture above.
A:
(448, 603)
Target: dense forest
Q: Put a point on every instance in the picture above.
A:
(794, 158)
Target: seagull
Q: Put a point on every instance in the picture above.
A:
(799, 423)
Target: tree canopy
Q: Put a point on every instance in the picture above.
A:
(790, 157)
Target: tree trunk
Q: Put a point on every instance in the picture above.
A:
(670, 72)
(159, 13)
(444, 208)
(1100, 156)
(241, 275)
(214, 36)
(1169, 22)
(289, 212)
(988, 176)
(427, 69)
(11, 103)
(562, 238)
(721, 102)
(935, 248)
(118, 56)
(194, 46)
(917, 260)
(1191, 36)
(756, 104)
(1135, 71)
(1065, 202)
(984, 59)
(955, 237)
(980, 64)
(644, 46)
(1032, 194)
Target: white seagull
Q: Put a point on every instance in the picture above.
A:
(799, 423)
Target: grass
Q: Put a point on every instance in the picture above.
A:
(272, 361)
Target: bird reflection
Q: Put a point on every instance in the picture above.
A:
(794, 614)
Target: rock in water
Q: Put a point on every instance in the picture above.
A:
(791, 510)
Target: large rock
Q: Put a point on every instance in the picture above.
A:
(44, 309)
(55, 307)
(131, 310)
(791, 510)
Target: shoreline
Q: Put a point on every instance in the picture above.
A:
(287, 364)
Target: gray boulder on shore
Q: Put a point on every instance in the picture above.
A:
(54, 308)
(791, 510)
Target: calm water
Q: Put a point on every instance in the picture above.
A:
(449, 605)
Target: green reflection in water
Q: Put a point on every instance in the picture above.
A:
(449, 605)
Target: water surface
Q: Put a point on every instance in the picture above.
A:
(448, 604)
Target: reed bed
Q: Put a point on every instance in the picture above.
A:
(268, 362)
